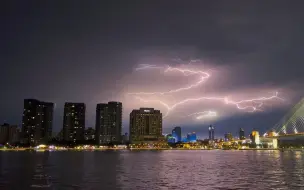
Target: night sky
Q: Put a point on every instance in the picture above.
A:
(86, 51)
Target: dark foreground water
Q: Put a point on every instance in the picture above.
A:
(139, 170)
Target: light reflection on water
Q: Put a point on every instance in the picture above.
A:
(171, 169)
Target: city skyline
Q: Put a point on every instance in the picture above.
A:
(70, 58)
(99, 107)
(152, 94)
(126, 129)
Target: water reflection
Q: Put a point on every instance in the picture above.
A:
(156, 169)
(67, 169)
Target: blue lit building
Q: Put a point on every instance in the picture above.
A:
(191, 137)
(170, 139)
(184, 139)
(177, 134)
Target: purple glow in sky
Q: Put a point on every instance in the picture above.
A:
(88, 52)
(183, 90)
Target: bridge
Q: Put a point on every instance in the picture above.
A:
(291, 125)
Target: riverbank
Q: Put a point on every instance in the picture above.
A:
(134, 149)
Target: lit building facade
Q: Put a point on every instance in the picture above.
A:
(177, 134)
(242, 134)
(74, 122)
(184, 139)
(37, 121)
(211, 132)
(108, 123)
(255, 137)
(268, 142)
(191, 137)
(145, 125)
(170, 138)
(228, 137)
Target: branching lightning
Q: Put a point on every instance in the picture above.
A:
(147, 66)
(204, 114)
(185, 72)
(249, 105)
(242, 105)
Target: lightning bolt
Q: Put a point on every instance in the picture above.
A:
(147, 66)
(185, 72)
(241, 105)
(249, 105)
(204, 114)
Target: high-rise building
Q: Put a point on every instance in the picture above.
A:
(73, 122)
(228, 137)
(108, 123)
(145, 125)
(170, 138)
(177, 134)
(4, 133)
(9, 134)
(242, 134)
(211, 133)
(191, 137)
(37, 121)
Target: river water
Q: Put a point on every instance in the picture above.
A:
(139, 170)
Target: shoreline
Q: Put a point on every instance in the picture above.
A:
(136, 149)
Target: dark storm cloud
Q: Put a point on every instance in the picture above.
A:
(79, 51)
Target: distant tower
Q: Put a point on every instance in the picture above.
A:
(73, 122)
(145, 125)
(177, 134)
(108, 123)
(211, 132)
(37, 121)
(242, 134)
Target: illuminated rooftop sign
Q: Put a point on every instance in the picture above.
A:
(147, 111)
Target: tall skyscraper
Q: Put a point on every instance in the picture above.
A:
(211, 133)
(37, 121)
(108, 123)
(73, 122)
(145, 125)
(242, 134)
(177, 134)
